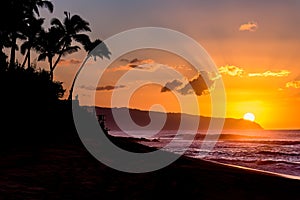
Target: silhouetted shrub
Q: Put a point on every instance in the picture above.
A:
(31, 108)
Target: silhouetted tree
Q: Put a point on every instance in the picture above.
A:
(30, 101)
(14, 15)
(48, 47)
(93, 51)
(32, 31)
(70, 30)
(3, 44)
(12, 24)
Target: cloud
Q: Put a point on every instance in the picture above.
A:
(199, 85)
(182, 67)
(231, 70)
(174, 85)
(68, 62)
(280, 73)
(103, 88)
(293, 84)
(250, 26)
(146, 64)
(140, 64)
(110, 87)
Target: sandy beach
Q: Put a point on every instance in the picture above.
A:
(70, 172)
(219, 79)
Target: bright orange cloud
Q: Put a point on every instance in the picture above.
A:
(293, 84)
(281, 73)
(250, 26)
(231, 70)
(68, 62)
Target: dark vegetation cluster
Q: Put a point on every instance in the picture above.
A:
(32, 106)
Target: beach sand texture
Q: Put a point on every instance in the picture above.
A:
(70, 172)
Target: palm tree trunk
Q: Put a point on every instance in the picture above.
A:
(13, 50)
(74, 80)
(51, 68)
(25, 60)
(28, 58)
(59, 57)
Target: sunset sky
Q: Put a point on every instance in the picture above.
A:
(255, 45)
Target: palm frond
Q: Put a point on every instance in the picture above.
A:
(70, 50)
(36, 10)
(82, 39)
(99, 49)
(57, 23)
(46, 4)
(79, 24)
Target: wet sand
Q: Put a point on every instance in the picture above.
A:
(70, 172)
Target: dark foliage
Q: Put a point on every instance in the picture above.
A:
(32, 112)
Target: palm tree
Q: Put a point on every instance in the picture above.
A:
(100, 51)
(32, 32)
(95, 51)
(4, 43)
(48, 47)
(13, 24)
(33, 26)
(14, 14)
(71, 28)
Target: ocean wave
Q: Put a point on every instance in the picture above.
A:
(273, 142)
(201, 136)
(276, 153)
(254, 161)
(238, 138)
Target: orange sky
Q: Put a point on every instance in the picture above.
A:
(257, 41)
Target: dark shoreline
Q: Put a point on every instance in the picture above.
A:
(68, 171)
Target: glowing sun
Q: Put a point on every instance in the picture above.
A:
(249, 117)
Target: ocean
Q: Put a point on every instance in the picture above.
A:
(272, 151)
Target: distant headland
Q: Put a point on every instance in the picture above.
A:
(141, 118)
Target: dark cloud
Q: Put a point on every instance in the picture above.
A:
(110, 87)
(198, 85)
(125, 60)
(103, 88)
(174, 85)
(135, 61)
(134, 66)
(146, 64)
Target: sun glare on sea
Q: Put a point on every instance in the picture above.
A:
(249, 117)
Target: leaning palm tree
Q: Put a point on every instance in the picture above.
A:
(71, 28)
(94, 49)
